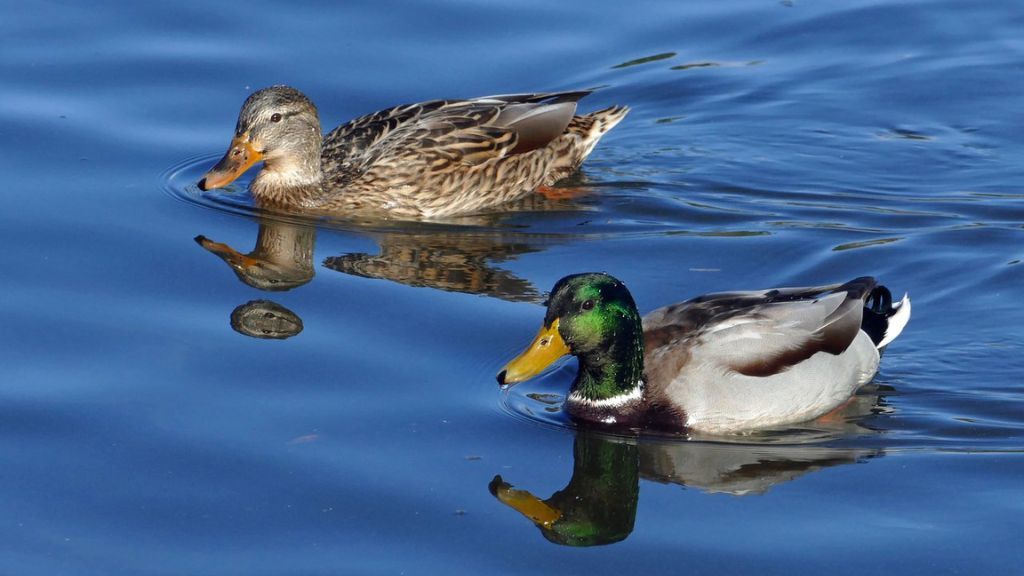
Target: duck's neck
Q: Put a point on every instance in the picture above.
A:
(609, 387)
(292, 180)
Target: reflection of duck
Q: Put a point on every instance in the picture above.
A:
(265, 319)
(739, 470)
(281, 260)
(719, 363)
(426, 160)
(598, 505)
(450, 261)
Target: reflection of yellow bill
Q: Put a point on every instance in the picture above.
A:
(547, 347)
(241, 155)
(528, 505)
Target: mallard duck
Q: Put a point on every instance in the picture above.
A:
(720, 363)
(428, 160)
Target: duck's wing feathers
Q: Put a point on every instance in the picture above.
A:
(459, 135)
(541, 97)
(438, 134)
(759, 333)
(354, 137)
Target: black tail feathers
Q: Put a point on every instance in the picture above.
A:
(877, 310)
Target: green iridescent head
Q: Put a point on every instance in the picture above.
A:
(595, 312)
(593, 317)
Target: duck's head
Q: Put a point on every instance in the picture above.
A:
(593, 317)
(280, 127)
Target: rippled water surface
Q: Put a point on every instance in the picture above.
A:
(337, 412)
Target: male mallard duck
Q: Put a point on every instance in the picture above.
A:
(719, 363)
(427, 160)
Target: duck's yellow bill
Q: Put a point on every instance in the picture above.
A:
(538, 511)
(239, 158)
(547, 347)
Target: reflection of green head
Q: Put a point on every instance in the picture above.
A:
(582, 534)
(599, 323)
(597, 507)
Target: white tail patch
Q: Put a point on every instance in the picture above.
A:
(897, 322)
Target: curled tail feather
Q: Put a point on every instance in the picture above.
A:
(883, 320)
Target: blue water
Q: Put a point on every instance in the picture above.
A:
(769, 143)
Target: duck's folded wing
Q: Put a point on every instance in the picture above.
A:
(352, 139)
(762, 333)
(438, 141)
(440, 132)
(465, 133)
(771, 338)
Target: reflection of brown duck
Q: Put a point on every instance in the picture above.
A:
(265, 319)
(281, 260)
(598, 505)
(462, 259)
(454, 262)
(454, 259)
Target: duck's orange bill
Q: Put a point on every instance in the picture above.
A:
(239, 157)
(233, 257)
(528, 505)
(547, 347)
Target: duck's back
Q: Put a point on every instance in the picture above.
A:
(447, 157)
(749, 360)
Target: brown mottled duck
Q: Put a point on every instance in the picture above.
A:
(427, 160)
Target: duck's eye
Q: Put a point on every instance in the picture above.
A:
(275, 117)
(588, 305)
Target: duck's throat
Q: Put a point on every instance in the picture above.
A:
(288, 183)
(609, 387)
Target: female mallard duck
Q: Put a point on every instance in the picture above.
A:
(719, 363)
(428, 160)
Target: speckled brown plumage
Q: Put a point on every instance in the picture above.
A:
(427, 160)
